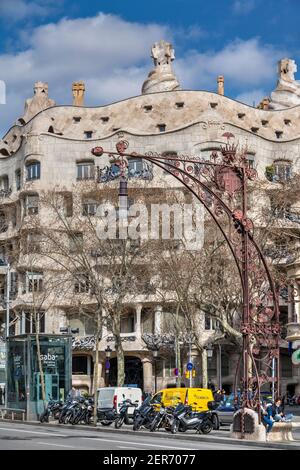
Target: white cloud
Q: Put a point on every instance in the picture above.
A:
(243, 7)
(17, 10)
(243, 63)
(113, 57)
(110, 54)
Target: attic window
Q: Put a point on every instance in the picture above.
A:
(179, 105)
(279, 134)
(88, 134)
(76, 119)
(104, 119)
(161, 127)
(254, 129)
(213, 105)
(264, 123)
(51, 130)
(241, 115)
(287, 122)
(115, 129)
(148, 108)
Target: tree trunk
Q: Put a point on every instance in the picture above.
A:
(38, 346)
(204, 368)
(96, 364)
(120, 362)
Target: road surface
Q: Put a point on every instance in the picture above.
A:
(16, 436)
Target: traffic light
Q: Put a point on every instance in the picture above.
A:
(187, 374)
(194, 373)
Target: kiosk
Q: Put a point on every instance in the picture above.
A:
(24, 390)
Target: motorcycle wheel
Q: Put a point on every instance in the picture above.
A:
(68, 417)
(105, 422)
(206, 427)
(154, 425)
(174, 426)
(137, 424)
(119, 421)
(44, 417)
(87, 419)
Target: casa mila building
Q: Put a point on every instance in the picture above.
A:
(50, 146)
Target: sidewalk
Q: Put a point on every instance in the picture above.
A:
(220, 437)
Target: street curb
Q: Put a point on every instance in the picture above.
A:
(162, 435)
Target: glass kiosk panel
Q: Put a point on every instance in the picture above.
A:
(24, 374)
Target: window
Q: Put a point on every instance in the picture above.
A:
(179, 105)
(18, 179)
(210, 323)
(127, 323)
(264, 122)
(76, 242)
(82, 284)
(161, 127)
(3, 222)
(89, 208)
(88, 134)
(135, 165)
(33, 282)
(148, 108)
(147, 320)
(80, 365)
(13, 285)
(104, 119)
(32, 204)
(29, 322)
(33, 171)
(279, 134)
(283, 170)
(33, 244)
(250, 159)
(85, 170)
(4, 183)
(76, 119)
(68, 205)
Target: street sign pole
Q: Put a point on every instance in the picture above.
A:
(190, 360)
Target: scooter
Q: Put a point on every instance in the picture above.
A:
(144, 414)
(106, 416)
(53, 408)
(185, 419)
(123, 412)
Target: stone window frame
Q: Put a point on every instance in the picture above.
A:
(33, 170)
(87, 170)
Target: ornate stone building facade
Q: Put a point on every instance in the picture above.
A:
(50, 146)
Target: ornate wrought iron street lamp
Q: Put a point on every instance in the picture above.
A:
(220, 184)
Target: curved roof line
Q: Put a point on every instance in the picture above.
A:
(147, 94)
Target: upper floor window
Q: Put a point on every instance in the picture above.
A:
(76, 242)
(30, 323)
(250, 159)
(82, 284)
(85, 170)
(18, 179)
(283, 170)
(32, 204)
(33, 171)
(88, 134)
(33, 282)
(4, 183)
(89, 208)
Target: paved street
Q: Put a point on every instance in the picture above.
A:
(15, 436)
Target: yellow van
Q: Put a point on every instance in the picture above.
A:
(197, 398)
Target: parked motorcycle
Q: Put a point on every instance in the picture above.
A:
(106, 416)
(185, 419)
(144, 414)
(53, 408)
(83, 412)
(123, 413)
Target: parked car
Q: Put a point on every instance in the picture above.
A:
(197, 398)
(113, 397)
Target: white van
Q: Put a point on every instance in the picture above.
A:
(112, 397)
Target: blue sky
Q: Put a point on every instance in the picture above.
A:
(107, 43)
